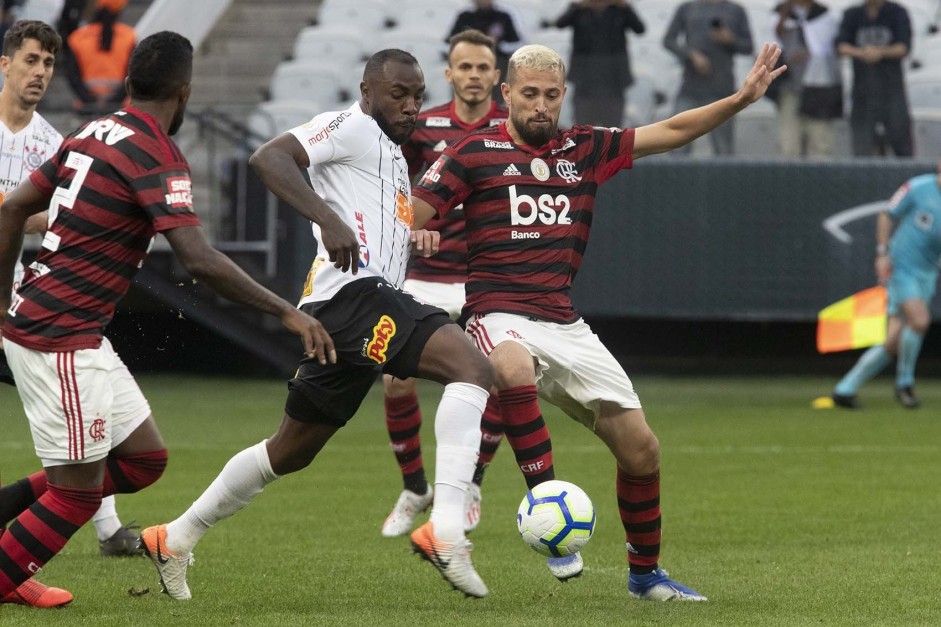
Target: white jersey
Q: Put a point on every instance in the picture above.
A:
(362, 175)
(20, 154)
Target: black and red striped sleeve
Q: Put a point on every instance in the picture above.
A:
(166, 196)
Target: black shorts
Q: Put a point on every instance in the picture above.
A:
(374, 327)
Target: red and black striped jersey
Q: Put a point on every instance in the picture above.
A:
(435, 130)
(113, 185)
(528, 212)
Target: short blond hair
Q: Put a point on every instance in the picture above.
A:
(535, 57)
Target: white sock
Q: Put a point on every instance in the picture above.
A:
(241, 480)
(106, 519)
(457, 431)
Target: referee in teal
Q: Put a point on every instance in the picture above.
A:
(908, 265)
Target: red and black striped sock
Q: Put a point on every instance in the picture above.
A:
(491, 434)
(526, 430)
(639, 506)
(403, 420)
(42, 530)
(16, 497)
(123, 475)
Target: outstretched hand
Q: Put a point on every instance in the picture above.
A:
(317, 342)
(762, 74)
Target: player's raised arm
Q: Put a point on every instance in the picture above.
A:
(277, 163)
(686, 126)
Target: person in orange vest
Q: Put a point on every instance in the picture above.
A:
(97, 57)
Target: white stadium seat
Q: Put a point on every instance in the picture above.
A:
(369, 15)
(310, 81)
(277, 116)
(343, 45)
(428, 47)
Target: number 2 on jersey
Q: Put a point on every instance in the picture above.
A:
(66, 196)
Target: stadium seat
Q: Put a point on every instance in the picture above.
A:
(437, 87)
(559, 39)
(924, 92)
(343, 45)
(433, 16)
(756, 131)
(427, 46)
(927, 131)
(369, 15)
(277, 116)
(307, 81)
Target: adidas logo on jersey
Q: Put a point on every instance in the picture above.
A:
(440, 146)
(512, 171)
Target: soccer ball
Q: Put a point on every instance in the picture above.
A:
(556, 518)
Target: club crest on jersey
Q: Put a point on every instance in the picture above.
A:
(566, 169)
(438, 122)
(540, 169)
(33, 159)
(382, 335)
(179, 192)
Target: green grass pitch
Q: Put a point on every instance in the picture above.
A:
(781, 514)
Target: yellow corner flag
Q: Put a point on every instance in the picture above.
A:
(857, 321)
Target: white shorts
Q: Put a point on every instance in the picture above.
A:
(80, 404)
(574, 370)
(447, 296)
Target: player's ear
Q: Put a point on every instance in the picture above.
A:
(364, 93)
(185, 92)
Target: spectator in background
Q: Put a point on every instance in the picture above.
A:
(810, 95)
(600, 68)
(705, 35)
(499, 22)
(877, 35)
(97, 58)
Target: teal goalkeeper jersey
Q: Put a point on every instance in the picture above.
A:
(916, 208)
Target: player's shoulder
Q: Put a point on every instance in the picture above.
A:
(42, 126)
(342, 123)
(922, 183)
(486, 138)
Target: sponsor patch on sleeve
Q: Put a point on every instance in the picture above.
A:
(179, 192)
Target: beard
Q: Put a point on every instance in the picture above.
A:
(176, 122)
(397, 134)
(534, 136)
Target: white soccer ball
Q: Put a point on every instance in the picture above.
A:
(556, 518)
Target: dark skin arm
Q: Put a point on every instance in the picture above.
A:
(220, 273)
(197, 256)
(277, 164)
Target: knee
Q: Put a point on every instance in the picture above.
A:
(920, 323)
(396, 388)
(642, 456)
(286, 457)
(135, 472)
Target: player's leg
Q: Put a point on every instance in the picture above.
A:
(491, 434)
(71, 447)
(870, 363)
(637, 451)
(438, 350)
(321, 399)
(515, 379)
(917, 321)
(114, 539)
(403, 421)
